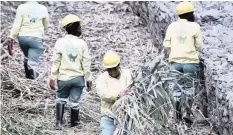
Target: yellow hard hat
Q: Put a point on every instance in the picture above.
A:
(70, 19)
(111, 59)
(184, 7)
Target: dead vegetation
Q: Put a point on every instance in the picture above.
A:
(27, 106)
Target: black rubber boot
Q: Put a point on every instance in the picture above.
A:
(32, 74)
(74, 118)
(188, 111)
(187, 118)
(27, 74)
(59, 115)
(178, 114)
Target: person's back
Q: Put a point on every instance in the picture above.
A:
(73, 51)
(31, 20)
(185, 42)
(71, 69)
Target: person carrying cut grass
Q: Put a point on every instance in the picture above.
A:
(111, 85)
(71, 69)
(184, 40)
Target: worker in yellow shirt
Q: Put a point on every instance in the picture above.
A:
(71, 69)
(30, 22)
(184, 40)
(111, 85)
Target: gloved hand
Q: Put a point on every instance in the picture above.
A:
(10, 43)
(89, 85)
(52, 84)
(123, 93)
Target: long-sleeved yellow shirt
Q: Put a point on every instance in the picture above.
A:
(31, 20)
(109, 88)
(185, 40)
(71, 59)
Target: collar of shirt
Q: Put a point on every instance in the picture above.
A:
(182, 20)
(70, 36)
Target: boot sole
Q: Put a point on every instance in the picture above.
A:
(75, 124)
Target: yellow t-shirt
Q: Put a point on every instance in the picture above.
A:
(31, 20)
(109, 88)
(185, 40)
(71, 59)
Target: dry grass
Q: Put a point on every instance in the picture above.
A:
(147, 107)
(149, 110)
(28, 105)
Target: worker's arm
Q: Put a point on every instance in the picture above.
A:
(198, 41)
(102, 90)
(16, 25)
(86, 63)
(56, 59)
(128, 82)
(45, 20)
(167, 39)
(167, 42)
(167, 52)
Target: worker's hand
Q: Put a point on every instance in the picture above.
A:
(123, 93)
(10, 43)
(52, 84)
(167, 52)
(89, 85)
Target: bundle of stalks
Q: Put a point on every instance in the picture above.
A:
(147, 107)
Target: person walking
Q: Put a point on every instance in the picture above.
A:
(111, 85)
(184, 39)
(30, 22)
(71, 69)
